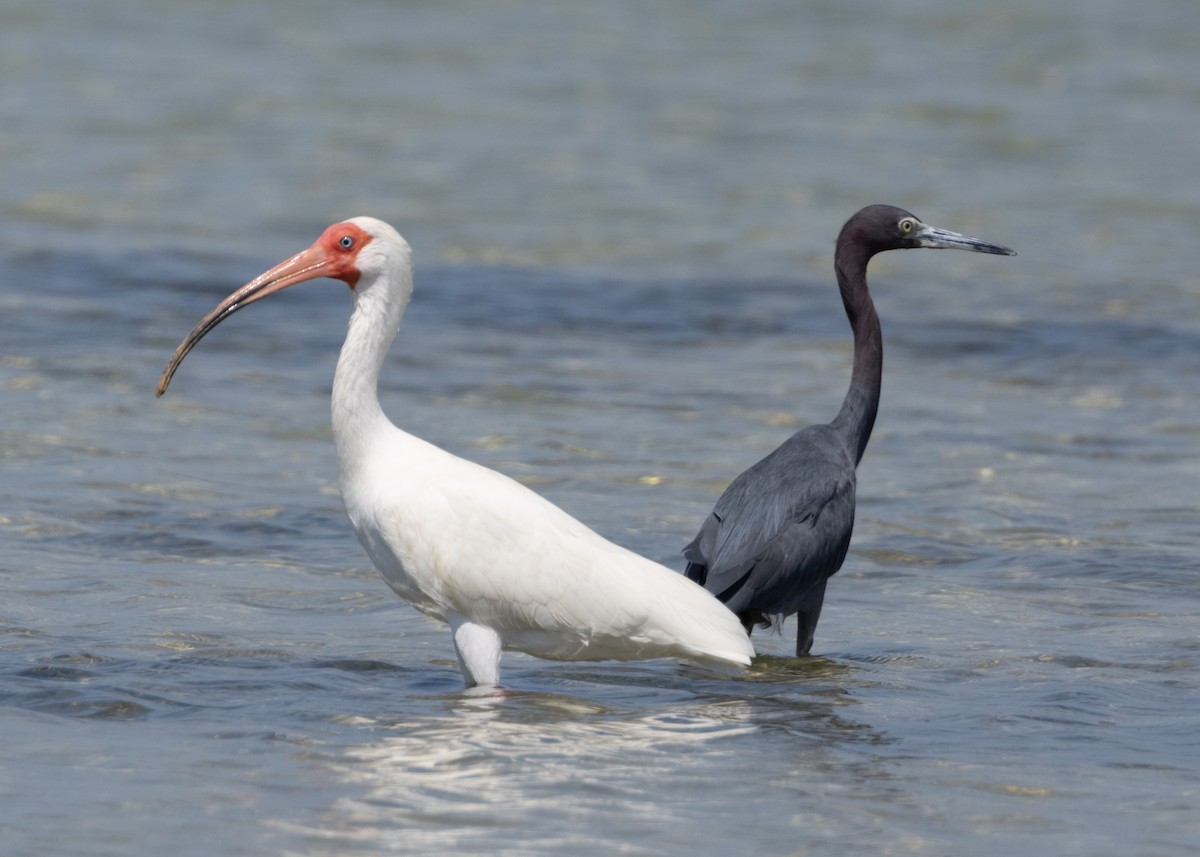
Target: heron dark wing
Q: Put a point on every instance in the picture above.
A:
(782, 527)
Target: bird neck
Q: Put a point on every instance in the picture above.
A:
(857, 416)
(374, 321)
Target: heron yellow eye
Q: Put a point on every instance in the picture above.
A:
(907, 225)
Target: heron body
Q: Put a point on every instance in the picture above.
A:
(782, 528)
(504, 567)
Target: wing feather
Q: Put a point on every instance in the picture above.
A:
(781, 528)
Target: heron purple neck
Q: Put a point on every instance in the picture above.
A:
(857, 415)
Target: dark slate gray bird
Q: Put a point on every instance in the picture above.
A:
(782, 528)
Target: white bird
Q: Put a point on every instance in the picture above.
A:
(503, 566)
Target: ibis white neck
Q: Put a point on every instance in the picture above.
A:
(378, 306)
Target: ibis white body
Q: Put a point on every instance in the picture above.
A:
(505, 568)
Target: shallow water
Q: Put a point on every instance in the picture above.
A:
(623, 219)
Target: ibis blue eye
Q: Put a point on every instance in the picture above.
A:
(347, 242)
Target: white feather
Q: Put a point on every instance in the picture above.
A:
(465, 544)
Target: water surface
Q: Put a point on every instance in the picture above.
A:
(623, 219)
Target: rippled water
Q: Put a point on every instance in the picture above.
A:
(623, 217)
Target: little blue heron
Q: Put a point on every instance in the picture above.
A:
(782, 528)
(504, 567)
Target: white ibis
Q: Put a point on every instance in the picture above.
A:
(503, 566)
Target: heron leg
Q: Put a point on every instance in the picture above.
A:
(478, 650)
(753, 616)
(806, 621)
(804, 634)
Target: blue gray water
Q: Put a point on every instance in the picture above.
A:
(623, 217)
